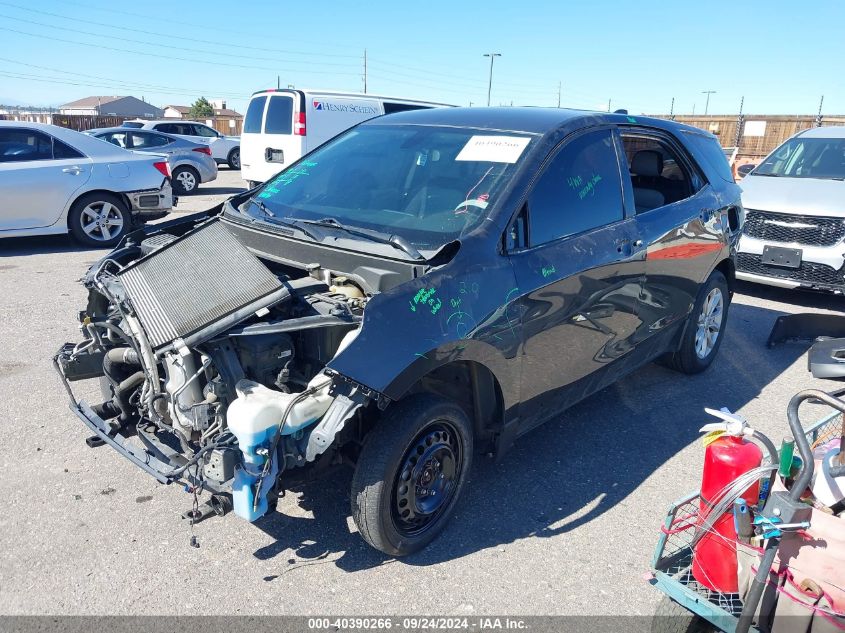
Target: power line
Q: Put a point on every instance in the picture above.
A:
(167, 57)
(178, 48)
(132, 84)
(122, 27)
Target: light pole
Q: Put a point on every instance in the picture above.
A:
(492, 56)
(707, 103)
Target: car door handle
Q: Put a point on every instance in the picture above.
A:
(72, 170)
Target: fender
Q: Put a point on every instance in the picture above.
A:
(462, 310)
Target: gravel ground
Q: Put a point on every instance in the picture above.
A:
(565, 524)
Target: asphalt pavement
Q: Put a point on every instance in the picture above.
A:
(565, 524)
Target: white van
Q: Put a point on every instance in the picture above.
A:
(283, 125)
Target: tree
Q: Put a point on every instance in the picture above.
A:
(201, 109)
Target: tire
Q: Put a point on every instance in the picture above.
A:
(99, 219)
(234, 158)
(705, 327)
(671, 617)
(185, 180)
(426, 439)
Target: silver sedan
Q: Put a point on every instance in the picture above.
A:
(55, 180)
(191, 163)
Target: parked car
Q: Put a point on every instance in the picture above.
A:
(795, 214)
(281, 126)
(226, 150)
(425, 286)
(190, 163)
(55, 180)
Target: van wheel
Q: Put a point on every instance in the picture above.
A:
(705, 327)
(185, 180)
(234, 158)
(410, 473)
(99, 219)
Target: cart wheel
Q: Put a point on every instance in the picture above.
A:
(671, 617)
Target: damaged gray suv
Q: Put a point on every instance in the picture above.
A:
(426, 286)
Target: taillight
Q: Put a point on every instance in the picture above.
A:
(299, 126)
(205, 149)
(163, 167)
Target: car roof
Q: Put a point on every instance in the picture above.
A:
(85, 143)
(157, 121)
(828, 131)
(525, 119)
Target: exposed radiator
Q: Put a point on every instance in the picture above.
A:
(194, 281)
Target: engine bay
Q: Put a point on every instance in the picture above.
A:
(212, 362)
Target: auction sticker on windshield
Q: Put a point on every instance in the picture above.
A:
(493, 149)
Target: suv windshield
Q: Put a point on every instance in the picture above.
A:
(427, 184)
(806, 158)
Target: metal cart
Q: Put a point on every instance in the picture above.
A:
(672, 562)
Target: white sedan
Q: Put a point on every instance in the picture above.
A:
(55, 180)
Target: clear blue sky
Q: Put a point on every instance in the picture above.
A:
(782, 56)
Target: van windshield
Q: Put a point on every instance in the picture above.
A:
(822, 158)
(427, 184)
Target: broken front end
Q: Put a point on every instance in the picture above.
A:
(212, 364)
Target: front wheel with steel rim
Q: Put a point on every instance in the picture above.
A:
(99, 219)
(410, 473)
(185, 180)
(705, 327)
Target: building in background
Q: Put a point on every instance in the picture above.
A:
(126, 106)
(225, 121)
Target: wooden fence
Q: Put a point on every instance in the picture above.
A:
(82, 122)
(770, 130)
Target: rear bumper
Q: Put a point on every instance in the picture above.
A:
(151, 204)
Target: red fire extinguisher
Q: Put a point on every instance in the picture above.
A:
(730, 455)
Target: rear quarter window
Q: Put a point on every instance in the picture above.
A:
(254, 112)
(708, 148)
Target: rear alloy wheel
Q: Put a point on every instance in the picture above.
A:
(410, 474)
(185, 180)
(234, 158)
(705, 327)
(99, 219)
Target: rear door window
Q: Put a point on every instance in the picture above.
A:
(62, 150)
(579, 190)
(254, 114)
(204, 131)
(121, 139)
(144, 140)
(279, 116)
(659, 173)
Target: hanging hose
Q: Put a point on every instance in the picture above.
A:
(798, 487)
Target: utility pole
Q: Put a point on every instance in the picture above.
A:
(608, 105)
(558, 94)
(672, 110)
(470, 104)
(707, 103)
(492, 56)
(278, 82)
(693, 109)
(819, 115)
(365, 71)
(739, 121)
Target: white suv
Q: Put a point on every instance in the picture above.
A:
(226, 150)
(794, 233)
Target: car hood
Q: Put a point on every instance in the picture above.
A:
(802, 196)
